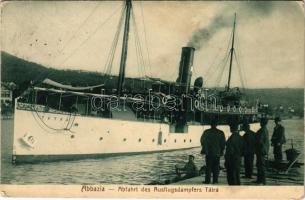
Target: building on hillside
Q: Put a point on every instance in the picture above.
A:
(7, 97)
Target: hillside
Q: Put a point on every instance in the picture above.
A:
(22, 72)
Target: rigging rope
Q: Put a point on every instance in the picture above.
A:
(208, 72)
(139, 63)
(212, 67)
(218, 70)
(213, 71)
(239, 71)
(217, 73)
(139, 47)
(78, 29)
(71, 54)
(145, 37)
(137, 55)
(243, 74)
(219, 78)
(89, 36)
(110, 58)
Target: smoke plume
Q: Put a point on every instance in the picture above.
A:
(224, 19)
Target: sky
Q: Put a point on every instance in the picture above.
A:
(78, 35)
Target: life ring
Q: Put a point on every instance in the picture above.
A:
(29, 140)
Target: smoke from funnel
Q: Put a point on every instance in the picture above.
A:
(224, 19)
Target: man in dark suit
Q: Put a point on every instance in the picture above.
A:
(262, 149)
(213, 144)
(249, 149)
(234, 152)
(278, 139)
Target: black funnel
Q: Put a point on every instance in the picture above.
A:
(185, 68)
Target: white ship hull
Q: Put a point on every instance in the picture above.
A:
(42, 136)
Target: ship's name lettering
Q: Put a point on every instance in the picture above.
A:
(211, 189)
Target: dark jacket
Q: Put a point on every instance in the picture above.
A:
(190, 169)
(278, 136)
(213, 142)
(262, 141)
(234, 147)
(249, 142)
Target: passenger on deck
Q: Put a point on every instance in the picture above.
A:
(190, 169)
(278, 139)
(262, 149)
(234, 152)
(249, 149)
(213, 144)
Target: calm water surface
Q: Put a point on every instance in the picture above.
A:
(135, 169)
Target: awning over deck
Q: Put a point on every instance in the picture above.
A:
(69, 87)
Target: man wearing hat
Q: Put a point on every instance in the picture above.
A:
(249, 149)
(278, 139)
(234, 152)
(262, 149)
(213, 144)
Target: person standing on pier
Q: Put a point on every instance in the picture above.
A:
(213, 144)
(278, 139)
(262, 149)
(234, 152)
(249, 150)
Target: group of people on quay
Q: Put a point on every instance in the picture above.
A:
(249, 145)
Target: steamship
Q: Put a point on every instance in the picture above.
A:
(55, 121)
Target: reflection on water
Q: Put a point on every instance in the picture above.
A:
(135, 169)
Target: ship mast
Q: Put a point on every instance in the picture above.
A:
(124, 48)
(231, 53)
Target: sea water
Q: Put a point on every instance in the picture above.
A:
(133, 169)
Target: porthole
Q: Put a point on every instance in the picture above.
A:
(175, 141)
(153, 140)
(184, 140)
(190, 140)
(164, 140)
(139, 140)
(124, 139)
(101, 138)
